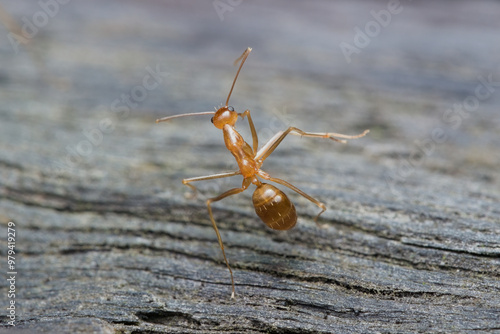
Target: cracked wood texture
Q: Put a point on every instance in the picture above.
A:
(107, 240)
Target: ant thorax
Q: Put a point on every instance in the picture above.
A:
(241, 151)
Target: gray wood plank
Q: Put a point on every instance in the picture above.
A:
(107, 239)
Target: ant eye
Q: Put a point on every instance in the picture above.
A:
(212, 120)
(230, 108)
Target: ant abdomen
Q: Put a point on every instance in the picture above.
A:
(274, 207)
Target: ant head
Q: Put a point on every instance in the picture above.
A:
(225, 115)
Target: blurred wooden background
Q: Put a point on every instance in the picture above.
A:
(107, 241)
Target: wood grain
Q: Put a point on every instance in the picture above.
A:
(107, 240)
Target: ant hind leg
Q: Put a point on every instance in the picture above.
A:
(300, 192)
(228, 193)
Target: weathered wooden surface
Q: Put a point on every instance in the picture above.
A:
(108, 243)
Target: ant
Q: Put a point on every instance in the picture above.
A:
(270, 203)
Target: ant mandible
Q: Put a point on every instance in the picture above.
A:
(270, 203)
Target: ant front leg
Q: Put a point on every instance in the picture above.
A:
(255, 139)
(204, 178)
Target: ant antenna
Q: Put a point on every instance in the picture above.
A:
(243, 57)
(182, 115)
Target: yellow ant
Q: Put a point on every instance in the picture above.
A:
(270, 203)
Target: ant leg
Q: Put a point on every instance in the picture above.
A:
(271, 145)
(252, 128)
(208, 177)
(228, 193)
(298, 191)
